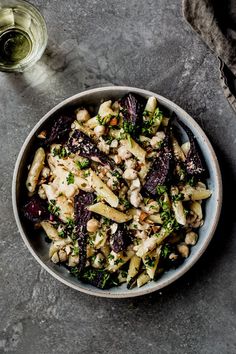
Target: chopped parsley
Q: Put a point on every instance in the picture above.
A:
(154, 121)
(165, 251)
(150, 261)
(76, 250)
(83, 164)
(108, 139)
(104, 120)
(192, 181)
(161, 189)
(62, 234)
(86, 173)
(118, 261)
(128, 127)
(146, 113)
(53, 208)
(106, 221)
(60, 152)
(116, 174)
(125, 203)
(70, 178)
(177, 197)
(110, 256)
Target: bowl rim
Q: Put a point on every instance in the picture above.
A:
(197, 255)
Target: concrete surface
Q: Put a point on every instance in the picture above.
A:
(145, 44)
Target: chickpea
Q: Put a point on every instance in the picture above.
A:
(157, 139)
(93, 225)
(191, 238)
(82, 115)
(130, 163)
(135, 198)
(62, 255)
(183, 250)
(124, 153)
(99, 130)
(130, 174)
(135, 184)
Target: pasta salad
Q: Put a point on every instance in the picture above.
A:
(118, 195)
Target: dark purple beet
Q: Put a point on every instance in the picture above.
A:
(120, 240)
(82, 215)
(194, 164)
(60, 129)
(161, 170)
(85, 147)
(132, 108)
(36, 209)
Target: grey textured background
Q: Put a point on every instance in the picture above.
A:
(145, 44)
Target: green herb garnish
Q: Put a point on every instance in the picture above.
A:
(60, 152)
(53, 208)
(83, 164)
(71, 178)
(150, 261)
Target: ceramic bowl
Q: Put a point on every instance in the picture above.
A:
(35, 241)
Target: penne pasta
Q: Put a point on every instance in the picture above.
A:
(151, 262)
(151, 105)
(116, 260)
(134, 149)
(109, 213)
(177, 206)
(178, 152)
(143, 279)
(50, 230)
(35, 170)
(102, 189)
(134, 266)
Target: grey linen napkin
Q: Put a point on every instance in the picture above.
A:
(215, 22)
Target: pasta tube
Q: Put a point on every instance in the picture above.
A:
(109, 213)
(134, 266)
(134, 149)
(103, 190)
(143, 279)
(35, 170)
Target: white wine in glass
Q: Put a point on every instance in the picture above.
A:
(23, 35)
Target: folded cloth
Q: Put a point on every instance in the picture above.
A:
(215, 22)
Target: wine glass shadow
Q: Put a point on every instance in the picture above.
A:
(62, 71)
(216, 251)
(42, 76)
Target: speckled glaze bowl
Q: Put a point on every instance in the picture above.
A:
(35, 241)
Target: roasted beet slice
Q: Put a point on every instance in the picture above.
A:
(160, 173)
(99, 278)
(121, 239)
(82, 215)
(132, 108)
(36, 209)
(195, 165)
(85, 147)
(60, 129)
